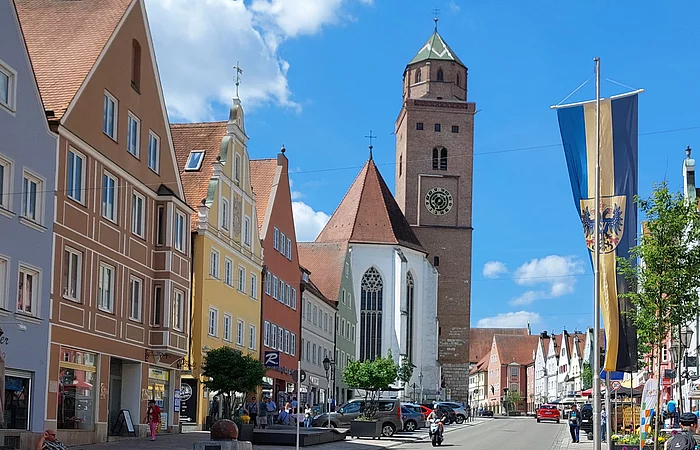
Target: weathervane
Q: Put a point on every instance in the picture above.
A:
(370, 143)
(239, 71)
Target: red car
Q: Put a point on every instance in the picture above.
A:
(548, 412)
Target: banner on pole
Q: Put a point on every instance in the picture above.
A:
(618, 212)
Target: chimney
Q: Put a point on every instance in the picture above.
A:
(544, 335)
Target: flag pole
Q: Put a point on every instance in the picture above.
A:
(596, 270)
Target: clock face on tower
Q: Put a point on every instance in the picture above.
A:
(438, 201)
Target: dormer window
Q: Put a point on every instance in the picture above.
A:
(194, 161)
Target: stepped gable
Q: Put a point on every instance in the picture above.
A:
(262, 178)
(369, 214)
(64, 39)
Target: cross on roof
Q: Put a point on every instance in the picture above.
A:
(436, 13)
(239, 71)
(370, 137)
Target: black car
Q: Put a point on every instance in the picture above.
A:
(587, 418)
(486, 413)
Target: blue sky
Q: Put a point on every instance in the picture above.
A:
(319, 74)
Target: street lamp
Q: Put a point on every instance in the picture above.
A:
(678, 349)
(328, 364)
(420, 383)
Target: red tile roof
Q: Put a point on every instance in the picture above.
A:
(262, 178)
(480, 340)
(482, 365)
(518, 349)
(326, 263)
(64, 39)
(369, 214)
(197, 136)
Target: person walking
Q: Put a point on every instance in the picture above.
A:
(603, 423)
(574, 423)
(153, 418)
(308, 416)
(688, 438)
(253, 410)
(271, 408)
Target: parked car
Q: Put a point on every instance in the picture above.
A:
(411, 417)
(486, 413)
(548, 412)
(460, 412)
(389, 413)
(587, 418)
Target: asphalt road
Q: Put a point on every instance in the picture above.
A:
(501, 433)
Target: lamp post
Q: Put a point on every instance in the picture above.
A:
(328, 364)
(420, 382)
(678, 349)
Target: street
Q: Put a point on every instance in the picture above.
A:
(503, 433)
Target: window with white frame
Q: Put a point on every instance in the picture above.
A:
(28, 290)
(72, 273)
(105, 288)
(136, 292)
(241, 279)
(246, 230)
(308, 351)
(75, 176)
(275, 243)
(239, 333)
(293, 345)
(287, 295)
(153, 151)
(224, 214)
(237, 167)
(109, 197)
(227, 327)
(214, 264)
(160, 225)
(308, 311)
(133, 128)
(514, 371)
(274, 286)
(228, 272)
(8, 86)
(286, 341)
(315, 315)
(352, 333)
(280, 339)
(110, 113)
(268, 282)
(514, 387)
(213, 322)
(282, 245)
(32, 197)
(138, 214)
(5, 183)
(253, 285)
(281, 291)
(178, 309)
(251, 337)
(180, 244)
(4, 267)
(266, 336)
(158, 305)
(273, 336)
(194, 161)
(289, 249)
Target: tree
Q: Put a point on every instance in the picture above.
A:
(664, 283)
(373, 377)
(405, 372)
(228, 371)
(512, 398)
(587, 376)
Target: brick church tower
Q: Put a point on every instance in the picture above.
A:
(434, 168)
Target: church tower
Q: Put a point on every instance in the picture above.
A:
(434, 168)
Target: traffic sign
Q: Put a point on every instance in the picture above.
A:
(295, 375)
(615, 385)
(272, 359)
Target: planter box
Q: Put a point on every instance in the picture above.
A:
(630, 447)
(245, 433)
(365, 428)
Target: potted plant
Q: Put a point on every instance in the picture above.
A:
(373, 377)
(631, 441)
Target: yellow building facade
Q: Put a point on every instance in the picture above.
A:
(227, 255)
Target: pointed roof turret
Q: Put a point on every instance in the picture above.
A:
(369, 214)
(436, 49)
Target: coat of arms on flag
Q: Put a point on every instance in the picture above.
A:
(612, 222)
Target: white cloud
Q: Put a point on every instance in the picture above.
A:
(198, 42)
(493, 269)
(518, 319)
(557, 273)
(307, 222)
(454, 7)
(296, 195)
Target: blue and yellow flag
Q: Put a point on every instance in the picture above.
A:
(618, 212)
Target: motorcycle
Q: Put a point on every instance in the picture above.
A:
(435, 433)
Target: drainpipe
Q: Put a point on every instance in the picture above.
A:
(189, 351)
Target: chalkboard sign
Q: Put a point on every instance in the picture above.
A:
(124, 420)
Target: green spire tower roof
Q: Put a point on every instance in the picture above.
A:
(436, 49)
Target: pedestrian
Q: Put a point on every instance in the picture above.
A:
(153, 418)
(271, 408)
(49, 442)
(253, 410)
(603, 423)
(574, 423)
(295, 405)
(308, 416)
(688, 438)
(214, 410)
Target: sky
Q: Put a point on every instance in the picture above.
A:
(319, 74)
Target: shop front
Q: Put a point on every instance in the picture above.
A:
(76, 390)
(159, 391)
(188, 401)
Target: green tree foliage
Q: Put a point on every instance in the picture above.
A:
(587, 376)
(405, 371)
(512, 399)
(665, 282)
(228, 371)
(373, 377)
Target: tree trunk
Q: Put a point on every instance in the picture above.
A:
(657, 408)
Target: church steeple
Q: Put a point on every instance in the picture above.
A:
(436, 49)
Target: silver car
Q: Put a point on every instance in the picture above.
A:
(459, 410)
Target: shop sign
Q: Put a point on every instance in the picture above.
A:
(158, 374)
(176, 400)
(185, 392)
(290, 387)
(314, 380)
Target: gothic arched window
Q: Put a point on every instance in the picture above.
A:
(410, 317)
(400, 164)
(436, 159)
(443, 159)
(418, 76)
(458, 80)
(371, 288)
(440, 75)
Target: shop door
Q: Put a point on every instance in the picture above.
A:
(115, 393)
